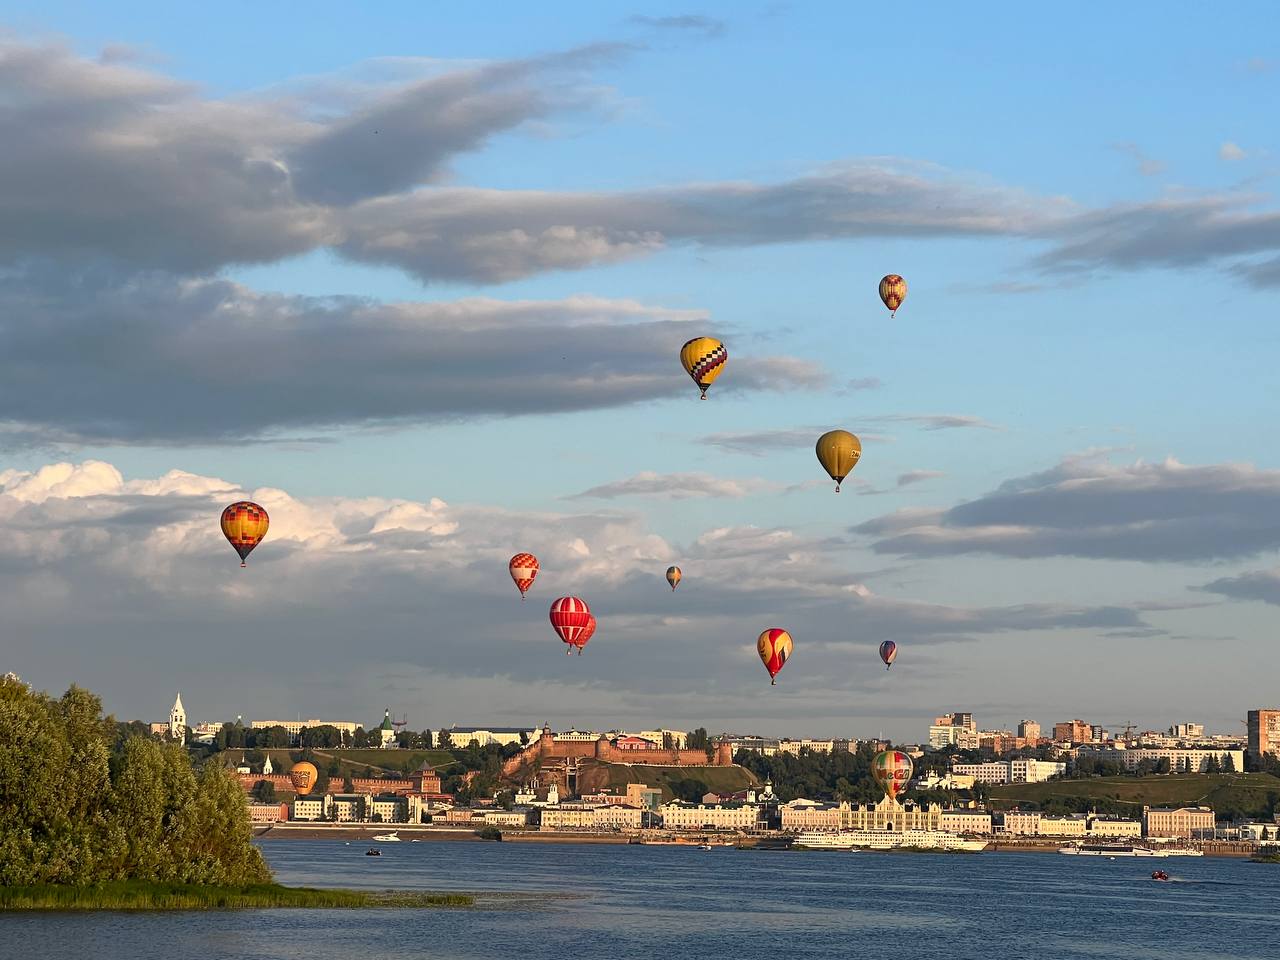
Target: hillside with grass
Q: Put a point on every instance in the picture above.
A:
(1251, 795)
(616, 776)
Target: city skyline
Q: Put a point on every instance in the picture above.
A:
(454, 263)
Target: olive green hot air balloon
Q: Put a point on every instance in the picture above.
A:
(838, 452)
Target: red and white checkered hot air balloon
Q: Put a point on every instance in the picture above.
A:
(524, 570)
(572, 621)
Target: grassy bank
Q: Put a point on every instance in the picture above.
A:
(1251, 794)
(129, 895)
(616, 776)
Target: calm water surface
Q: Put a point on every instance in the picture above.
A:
(620, 903)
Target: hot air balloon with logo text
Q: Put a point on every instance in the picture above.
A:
(888, 653)
(674, 576)
(524, 570)
(572, 621)
(774, 647)
(892, 770)
(839, 452)
(303, 776)
(893, 290)
(244, 524)
(703, 359)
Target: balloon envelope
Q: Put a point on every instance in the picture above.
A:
(673, 577)
(524, 570)
(888, 653)
(587, 633)
(570, 617)
(892, 770)
(244, 524)
(703, 359)
(774, 647)
(303, 777)
(838, 452)
(893, 290)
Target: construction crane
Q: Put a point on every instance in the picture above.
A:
(1128, 729)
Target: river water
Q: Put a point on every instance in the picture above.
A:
(631, 902)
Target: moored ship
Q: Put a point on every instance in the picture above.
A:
(1126, 850)
(888, 840)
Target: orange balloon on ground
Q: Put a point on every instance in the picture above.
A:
(774, 647)
(303, 776)
(244, 524)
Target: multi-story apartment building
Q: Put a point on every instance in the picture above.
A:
(295, 727)
(1264, 732)
(1112, 827)
(483, 736)
(1073, 825)
(1180, 760)
(1187, 731)
(885, 815)
(1184, 822)
(966, 821)
(1011, 771)
(679, 815)
(1022, 823)
(1073, 731)
(1029, 731)
(953, 730)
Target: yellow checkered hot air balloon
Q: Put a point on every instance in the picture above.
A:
(893, 290)
(703, 359)
(838, 452)
(244, 524)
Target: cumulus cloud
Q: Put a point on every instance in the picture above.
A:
(376, 585)
(1231, 151)
(1261, 585)
(155, 359)
(1087, 507)
(674, 486)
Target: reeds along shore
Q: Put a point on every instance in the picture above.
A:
(136, 895)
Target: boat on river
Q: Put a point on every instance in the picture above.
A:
(1111, 850)
(387, 837)
(938, 840)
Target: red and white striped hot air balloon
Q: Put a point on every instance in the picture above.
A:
(571, 618)
(587, 633)
(524, 570)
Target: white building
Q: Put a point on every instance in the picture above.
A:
(679, 815)
(1110, 827)
(1010, 771)
(178, 721)
(483, 736)
(1180, 760)
(1073, 825)
(1021, 823)
(295, 727)
(966, 821)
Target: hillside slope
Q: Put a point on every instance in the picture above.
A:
(1229, 794)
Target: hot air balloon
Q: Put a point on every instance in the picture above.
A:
(673, 577)
(303, 777)
(892, 770)
(524, 570)
(703, 359)
(587, 633)
(570, 618)
(774, 647)
(244, 524)
(838, 452)
(888, 653)
(893, 290)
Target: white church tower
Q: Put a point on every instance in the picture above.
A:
(178, 721)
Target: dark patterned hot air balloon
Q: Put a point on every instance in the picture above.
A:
(892, 770)
(303, 777)
(244, 524)
(888, 653)
(838, 452)
(893, 290)
(524, 570)
(673, 577)
(703, 359)
(570, 617)
(774, 647)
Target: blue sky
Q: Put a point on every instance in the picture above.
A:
(1084, 211)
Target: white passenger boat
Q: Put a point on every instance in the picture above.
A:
(1111, 850)
(888, 840)
(387, 837)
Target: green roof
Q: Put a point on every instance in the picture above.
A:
(386, 721)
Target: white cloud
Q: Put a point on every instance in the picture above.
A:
(1231, 151)
(675, 486)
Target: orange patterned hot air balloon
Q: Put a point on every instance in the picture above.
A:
(673, 577)
(303, 776)
(524, 570)
(570, 618)
(892, 770)
(893, 290)
(774, 647)
(244, 524)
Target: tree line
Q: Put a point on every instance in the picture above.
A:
(87, 801)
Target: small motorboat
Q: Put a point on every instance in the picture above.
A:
(704, 846)
(387, 837)
(1159, 875)
(373, 852)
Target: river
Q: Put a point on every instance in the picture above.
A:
(633, 902)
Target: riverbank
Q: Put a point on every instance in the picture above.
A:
(135, 895)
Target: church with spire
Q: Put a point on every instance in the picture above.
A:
(178, 721)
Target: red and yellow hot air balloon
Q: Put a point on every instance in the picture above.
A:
(524, 570)
(838, 452)
(774, 647)
(888, 653)
(893, 290)
(892, 770)
(703, 359)
(303, 776)
(570, 618)
(673, 577)
(587, 633)
(244, 524)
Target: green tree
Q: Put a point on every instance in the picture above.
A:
(1228, 763)
(446, 741)
(696, 739)
(1214, 765)
(264, 791)
(360, 739)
